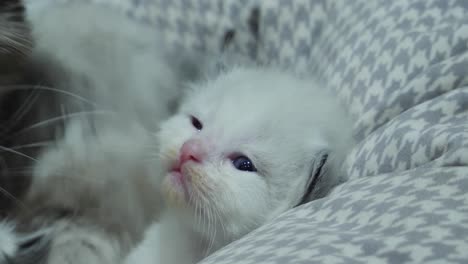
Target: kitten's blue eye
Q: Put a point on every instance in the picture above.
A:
(243, 163)
(196, 123)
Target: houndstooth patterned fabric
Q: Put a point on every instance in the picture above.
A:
(401, 67)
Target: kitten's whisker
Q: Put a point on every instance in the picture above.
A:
(214, 230)
(207, 249)
(51, 89)
(216, 215)
(13, 198)
(12, 36)
(210, 227)
(17, 42)
(2, 148)
(217, 211)
(205, 215)
(60, 118)
(223, 226)
(221, 222)
(198, 212)
(197, 220)
(195, 210)
(33, 145)
(22, 110)
(15, 30)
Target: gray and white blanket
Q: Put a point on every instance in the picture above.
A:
(402, 68)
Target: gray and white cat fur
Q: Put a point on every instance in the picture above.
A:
(109, 72)
(15, 45)
(92, 194)
(107, 177)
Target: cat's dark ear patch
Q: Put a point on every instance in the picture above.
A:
(318, 169)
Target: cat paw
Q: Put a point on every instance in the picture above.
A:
(102, 179)
(87, 168)
(81, 244)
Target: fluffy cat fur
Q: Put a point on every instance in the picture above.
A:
(115, 81)
(95, 175)
(19, 248)
(99, 187)
(14, 37)
(107, 71)
(14, 45)
(18, 101)
(286, 125)
(8, 240)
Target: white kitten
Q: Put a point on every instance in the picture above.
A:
(244, 148)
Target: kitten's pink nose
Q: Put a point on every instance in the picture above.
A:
(192, 150)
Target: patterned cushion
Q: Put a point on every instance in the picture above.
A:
(402, 69)
(394, 218)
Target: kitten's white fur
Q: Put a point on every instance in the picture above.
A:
(283, 123)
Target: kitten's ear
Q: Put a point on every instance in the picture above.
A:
(318, 170)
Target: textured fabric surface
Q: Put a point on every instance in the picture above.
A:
(401, 67)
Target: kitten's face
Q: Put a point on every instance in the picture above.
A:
(237, 150)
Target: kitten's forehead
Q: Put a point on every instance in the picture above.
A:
(249, 99)
(259, 108)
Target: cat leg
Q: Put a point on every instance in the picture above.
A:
(95, 192)
(147, 251)
(169, 241)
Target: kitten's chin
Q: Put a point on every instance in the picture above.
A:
(184, 188)
(175, 189)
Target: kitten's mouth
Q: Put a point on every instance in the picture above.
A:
(183, 179)
(179, 180)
